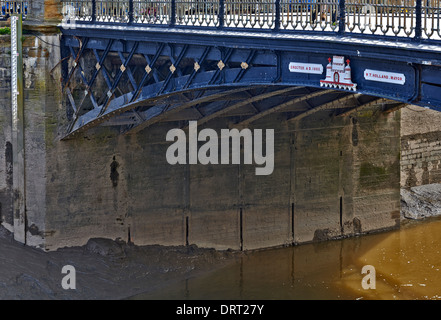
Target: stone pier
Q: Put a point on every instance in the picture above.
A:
(334, 176)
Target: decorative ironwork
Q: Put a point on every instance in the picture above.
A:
(383, 17)
(79, 10)
(250, 13)
(197, 13)
(112, 11)
(221, 65)
(142, 84)
(431, 23)
(151, 12)
(419, 19)
(309, 15)
(9, 8)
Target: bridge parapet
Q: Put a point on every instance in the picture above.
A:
(38, 14)
(407, 19)
(13, 7)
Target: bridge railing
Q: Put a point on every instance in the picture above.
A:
(384, 17)
(315, 15)
(249, 14)
(416, 19)
(13, 7)
(431, 24)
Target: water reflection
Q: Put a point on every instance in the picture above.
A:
(407, 264)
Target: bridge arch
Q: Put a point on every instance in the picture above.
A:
(136, 83)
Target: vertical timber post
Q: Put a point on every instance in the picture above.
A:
(18, 157)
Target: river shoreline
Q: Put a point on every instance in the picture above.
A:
(108, 269)
(421, 201)
(104, 269)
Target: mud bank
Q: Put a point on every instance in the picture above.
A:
(421, 201)
(105, 269)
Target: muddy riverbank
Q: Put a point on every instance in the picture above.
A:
(105, 269)
(421, 201)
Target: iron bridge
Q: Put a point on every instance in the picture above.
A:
(134, 63)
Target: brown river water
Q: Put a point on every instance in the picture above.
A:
(407, 265)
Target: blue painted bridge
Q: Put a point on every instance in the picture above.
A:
(133, 63)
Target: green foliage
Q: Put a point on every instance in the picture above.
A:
(5, 30)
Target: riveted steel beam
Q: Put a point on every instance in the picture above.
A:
(118, 77)
(334, 104)
(364, 105)
(178, 107)
(148, 71)
(235, 106)
(281, 107)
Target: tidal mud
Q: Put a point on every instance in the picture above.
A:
(104, 269)
(420, 202)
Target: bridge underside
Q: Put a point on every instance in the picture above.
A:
(246, 104)
(133, 84)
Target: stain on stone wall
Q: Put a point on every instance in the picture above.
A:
(5, 136)
(114, 175)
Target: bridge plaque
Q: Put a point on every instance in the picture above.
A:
(300, 67)
(384, 76)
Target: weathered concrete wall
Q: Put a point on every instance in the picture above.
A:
(420, 146)
(333, 176)
(346, 175)
(42, 92)
(123, 187)
(42, 87)
(5, 136)
(376, 169)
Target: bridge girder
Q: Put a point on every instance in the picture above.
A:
(134, 84)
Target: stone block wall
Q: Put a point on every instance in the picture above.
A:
(420, 146)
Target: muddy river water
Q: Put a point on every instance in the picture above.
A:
(407, 265)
